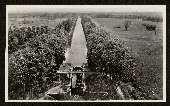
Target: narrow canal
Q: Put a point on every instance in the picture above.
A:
(77, 54)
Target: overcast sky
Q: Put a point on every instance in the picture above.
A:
(84, 8)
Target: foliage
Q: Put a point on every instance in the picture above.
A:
(108, 55)
(35, 54)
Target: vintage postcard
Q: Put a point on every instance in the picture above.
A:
(85, 53)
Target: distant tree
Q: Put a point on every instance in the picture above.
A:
(127, 24)
(150, 27)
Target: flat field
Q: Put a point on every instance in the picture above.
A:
(146, 45)
(34, 21)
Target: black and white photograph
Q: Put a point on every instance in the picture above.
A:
(85, 53)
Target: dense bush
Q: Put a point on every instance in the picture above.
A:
(108, 55)
(35, 54)
(97, 86)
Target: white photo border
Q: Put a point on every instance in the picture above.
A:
(132, 8)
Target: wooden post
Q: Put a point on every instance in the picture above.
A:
(59, 78)
(70, 82)
(83, 77)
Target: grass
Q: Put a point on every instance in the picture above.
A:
(135, 30)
